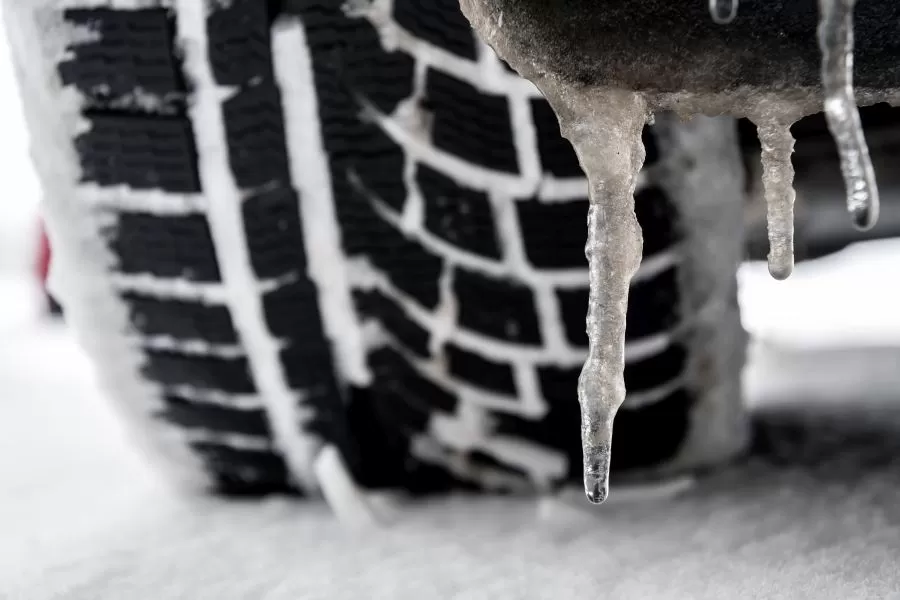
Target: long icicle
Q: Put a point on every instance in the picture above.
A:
(611, 151)
(841, 112)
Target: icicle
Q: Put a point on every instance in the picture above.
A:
(606, 132)
(723, 12)
(778, 178)
(841, 112)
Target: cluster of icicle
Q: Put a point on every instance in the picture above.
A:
(614, 239)
(836, 43)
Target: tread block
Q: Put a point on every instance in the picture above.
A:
(132, 50)
(554, 233)
(395, 378)
(360, 224)
(560, 427)
(240, 40)
(399, 414)
(375, 305)
(498, 308)
(292, 312)
(666, 423)
(349, 59)
(557, 156)
(655, 304)
(357, 149)
(308, 368)
(384, 459)
(244, 472)
(369, 72)
(169, 368)
(656, 370)
(409, 266)
(181, 319)
(347, 137)
(164, 246)
(254, 131)
(440, 22)
(481, 372)
(211, 417)
(274, 233)
(658, 218)
(469, 124)
(461, 216)
(653, 307)
(140, 151)
(381, 173)
(310, 373)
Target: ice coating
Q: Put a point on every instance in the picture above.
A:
(613, 250)
(841, 112)
(604, 126)
(723, 12)
(778, 179)
(612, 161)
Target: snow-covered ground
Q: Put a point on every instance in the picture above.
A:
(816, 514)
(82, 516)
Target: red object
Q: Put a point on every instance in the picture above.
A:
(43, 257)
(42, 266)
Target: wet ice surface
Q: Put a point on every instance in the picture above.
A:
(778, 176)
(613, 249)
(814, 514)
(841, 112)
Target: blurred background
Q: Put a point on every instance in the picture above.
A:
(824, 365)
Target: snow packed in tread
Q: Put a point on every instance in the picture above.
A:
(133, 50)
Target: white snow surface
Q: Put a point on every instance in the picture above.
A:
(82, 516)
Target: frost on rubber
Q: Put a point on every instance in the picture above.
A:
(159, 134)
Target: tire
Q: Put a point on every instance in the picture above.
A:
(286, 225)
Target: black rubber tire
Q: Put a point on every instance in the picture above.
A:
(461, 217)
